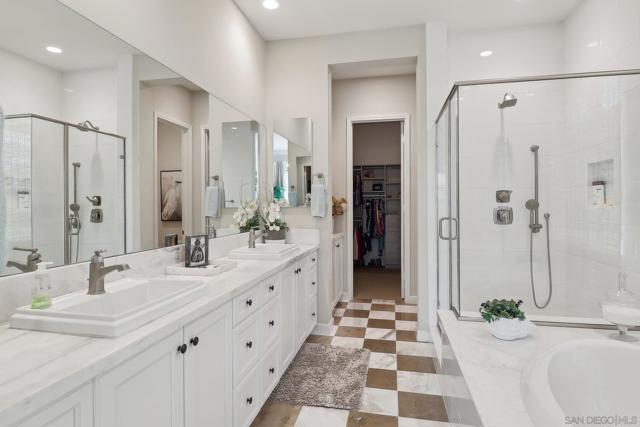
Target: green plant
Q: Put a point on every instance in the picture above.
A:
(501, 309)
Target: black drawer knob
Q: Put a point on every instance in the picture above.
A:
(249, 400)
(194, 341)
(313, 283)
(249, 302)
(272, 322)
(338, 245)
(272, 288)
(182, 348)
(250, 344)
(272, 370)
(313, 259)
(313, 314)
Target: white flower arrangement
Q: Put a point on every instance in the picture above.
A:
(272, 216)
(246, 216)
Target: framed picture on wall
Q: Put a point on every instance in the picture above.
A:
(171, 195)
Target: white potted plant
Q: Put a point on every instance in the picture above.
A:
(505, 319)
(246, 217)
(274, 226)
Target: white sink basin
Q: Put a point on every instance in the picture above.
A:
(264, 251)
(218, 267)
(127, 305)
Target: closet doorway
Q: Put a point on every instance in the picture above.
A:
(377, 237)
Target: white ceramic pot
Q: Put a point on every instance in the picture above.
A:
(510, 329)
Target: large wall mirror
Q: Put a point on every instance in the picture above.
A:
(105, 148)
(292, 160)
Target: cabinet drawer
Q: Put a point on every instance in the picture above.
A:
(246, 304)
(270, 287)
(247, 399)
(246, 347)
(270, 323)
(312, 282)
(270, 371)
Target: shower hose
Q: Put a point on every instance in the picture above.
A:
(533, 286)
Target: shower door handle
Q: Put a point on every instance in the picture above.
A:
(454, 237)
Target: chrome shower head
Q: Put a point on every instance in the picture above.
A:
(534, 148)
(509, 100)
(87, 126)
(76, 164)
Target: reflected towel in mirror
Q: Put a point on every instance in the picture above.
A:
(318, 200)
(212, 199)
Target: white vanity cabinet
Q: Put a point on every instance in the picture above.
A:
(74, 410)
(183, 380)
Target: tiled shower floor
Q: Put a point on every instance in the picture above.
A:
(402, 390)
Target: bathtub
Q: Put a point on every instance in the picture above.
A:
(574, 383)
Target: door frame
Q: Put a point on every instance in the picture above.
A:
(405, 202)
(187, 173)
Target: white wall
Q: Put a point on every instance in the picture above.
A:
(91, 95)
(210, 42)
(298, 84)
(377, 143)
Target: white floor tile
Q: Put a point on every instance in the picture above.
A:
(417, 382)
(406, 308)
(416, 349)
(412, 422)
(380, 334)
(383, 301)
(406, 325)
(312, 416)
(338, 312)
(387, 315)
(379, 401)
(354, 321)
(347, 342)
(383, 361)
(359, 306)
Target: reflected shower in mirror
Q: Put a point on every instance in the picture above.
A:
(292, 160)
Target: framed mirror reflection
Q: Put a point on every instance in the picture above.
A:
(292, 158)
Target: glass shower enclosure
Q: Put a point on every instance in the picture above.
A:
(64, 188)
(538, 193)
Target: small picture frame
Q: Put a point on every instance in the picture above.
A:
(196, 251)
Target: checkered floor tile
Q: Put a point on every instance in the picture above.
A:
(402, 389)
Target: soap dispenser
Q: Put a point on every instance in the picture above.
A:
(622, 307)
(41, 295)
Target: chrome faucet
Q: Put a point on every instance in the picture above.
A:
(32, 260)
(252, 238)
(97, 271)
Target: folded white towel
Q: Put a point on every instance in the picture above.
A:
(212, 197)
(318, 201)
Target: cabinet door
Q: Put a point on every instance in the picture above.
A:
(301, 290)
(207, 370)
(146, 390)
(288, 315)
(74, 410)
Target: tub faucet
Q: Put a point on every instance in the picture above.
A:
(97, 271)
(32, 260)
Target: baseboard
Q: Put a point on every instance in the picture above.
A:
(324, 329)
(424, 336)
(411, 300)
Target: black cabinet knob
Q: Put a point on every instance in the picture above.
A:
(249, 400)
(249, 302)
(313, 314)
(338, 245)
(182, 348)
(272, 288)
(272, 370)
(194, 341)
(250, 344)
(313, 259)
(313, 283)
(272, 322)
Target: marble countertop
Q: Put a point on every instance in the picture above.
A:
(492, 368)
(39, 367)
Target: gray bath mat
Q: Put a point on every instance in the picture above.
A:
(320, 375)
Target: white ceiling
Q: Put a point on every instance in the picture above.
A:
(27, 27)
(307, 18)
(379, 68)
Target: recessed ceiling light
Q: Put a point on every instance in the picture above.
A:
(486, 53)
(595, 43)
(234, 128)
(270, 4)
(54, 49)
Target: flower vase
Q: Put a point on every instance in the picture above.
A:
(275, 236)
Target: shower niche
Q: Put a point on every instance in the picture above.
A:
(601, 184)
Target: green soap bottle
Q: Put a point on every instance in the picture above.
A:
(41, 295)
